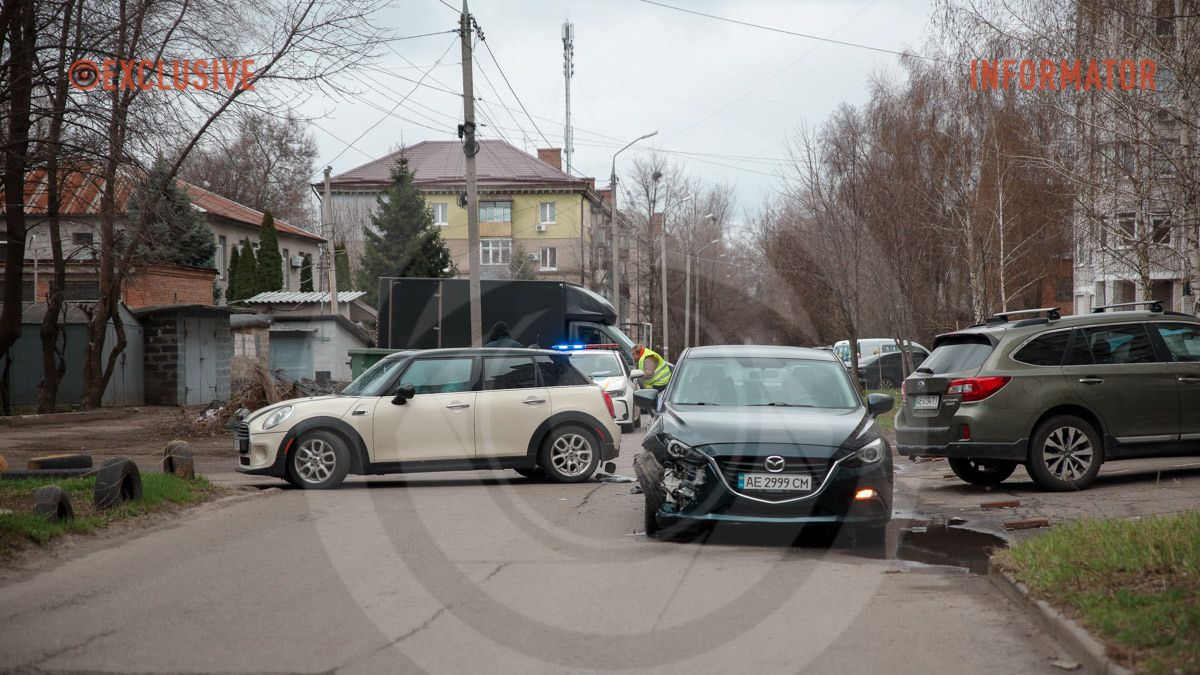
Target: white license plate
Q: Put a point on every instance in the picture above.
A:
(769, 481)
(926, 402)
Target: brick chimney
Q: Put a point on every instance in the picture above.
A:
(551, 156)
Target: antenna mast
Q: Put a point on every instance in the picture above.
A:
(568, 38)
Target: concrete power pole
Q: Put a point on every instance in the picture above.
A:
(568, 38)
(470, 149)
(331, 269)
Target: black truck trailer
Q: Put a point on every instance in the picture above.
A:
(417, 313)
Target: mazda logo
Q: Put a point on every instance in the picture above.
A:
(774, 464)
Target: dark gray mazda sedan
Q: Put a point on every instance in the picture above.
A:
(764, 435)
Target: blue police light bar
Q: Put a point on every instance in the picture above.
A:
(571, 348)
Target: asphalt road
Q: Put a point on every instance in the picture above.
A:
(474, 571)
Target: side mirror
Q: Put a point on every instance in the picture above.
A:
(646, 399)
(405, 392)
(637, 374)
(878, 404)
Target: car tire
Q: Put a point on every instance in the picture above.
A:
(178, 460)
(117, 481)
(626, 428)
(637, 420)
(64, 461)
(53, 504)
(531, 472)
(1065, 454)
(320, 461)
(570, 454)
(982, 471)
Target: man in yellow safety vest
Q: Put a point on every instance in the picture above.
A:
(658, 373)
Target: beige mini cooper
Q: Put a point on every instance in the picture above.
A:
(439, 410)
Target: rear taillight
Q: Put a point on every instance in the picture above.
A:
(977, 388)
(612, 412)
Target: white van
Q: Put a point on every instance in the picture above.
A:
(871, 347)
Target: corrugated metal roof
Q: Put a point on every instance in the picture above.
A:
(297, 297)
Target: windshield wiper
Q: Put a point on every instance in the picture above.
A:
(701, 403)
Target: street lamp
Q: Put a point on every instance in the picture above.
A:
(612, 226)
(687, 290)
(662, 236)
(698, 293)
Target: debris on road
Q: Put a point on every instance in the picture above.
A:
(1005, 504)
(613, 478)
(1065, 665)
(635, 490)
(1027, 524)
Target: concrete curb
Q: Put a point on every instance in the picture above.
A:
(1086, 649)
(64, 418)
(236, 499)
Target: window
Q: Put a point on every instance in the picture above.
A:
(508, 372)
(958, 353)
(495, 251)
(81, 238)
(1160, 229)
(495, 212)
(549, 258)
(81, 290)
(222, 272)
(557, 371)
(438, 376)
(1127, 228)
(1045, 350)
(287, 271)
(1183, 340)
(441, 213)
(1064, 289)
(546, 213)
(1119, 344)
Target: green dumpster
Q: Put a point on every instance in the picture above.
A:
(361, 359)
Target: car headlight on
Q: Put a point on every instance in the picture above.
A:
(871, 452)
(276, 417)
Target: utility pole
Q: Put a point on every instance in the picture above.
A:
(470, 149)
(662, 236)
(331, 264)
(612, 226)
(568, 38)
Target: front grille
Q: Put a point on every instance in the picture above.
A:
(817, 467)
(243, 438)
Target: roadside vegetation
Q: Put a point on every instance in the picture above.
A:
(1135, 584)
(160, 492)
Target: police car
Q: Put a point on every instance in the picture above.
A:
(604, 365)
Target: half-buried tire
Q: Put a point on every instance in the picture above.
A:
(51, 503)
(117, 481)
(60, 461)
(177, 460)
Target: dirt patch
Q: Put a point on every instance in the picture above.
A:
(145, 431)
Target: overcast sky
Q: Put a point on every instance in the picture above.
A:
(708, 87)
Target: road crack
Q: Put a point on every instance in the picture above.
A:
(494, 572)
(588, 496)
(70, 648)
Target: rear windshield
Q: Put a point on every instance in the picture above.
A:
(957, 353)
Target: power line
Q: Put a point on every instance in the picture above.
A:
(401, 102)
(795, 33)
(514, 91)
(413, 37)
(452, 8)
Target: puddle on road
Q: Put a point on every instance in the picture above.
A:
(935, 543)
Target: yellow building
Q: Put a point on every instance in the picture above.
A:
(532, 216)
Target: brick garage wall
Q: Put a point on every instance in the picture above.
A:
(160, 339)
(224, 348)
(169, 285)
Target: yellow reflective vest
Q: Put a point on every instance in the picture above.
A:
(661, 375)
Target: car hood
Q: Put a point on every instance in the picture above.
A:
(301, 404)
(744, 426)
(613, 382)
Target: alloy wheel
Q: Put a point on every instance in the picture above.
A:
(315, 460)
(1068, 453)
(571, 454)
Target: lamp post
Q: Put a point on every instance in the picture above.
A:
(687, 291)
(662, 237)
(612, 227)
(698, 294)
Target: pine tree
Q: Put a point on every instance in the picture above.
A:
(231, 292)
(270, 262)
(172, 231)
(246, 277)
(306, 275)
(403, 241)
(345, 282)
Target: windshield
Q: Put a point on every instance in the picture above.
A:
(622, 338)
(375, 379)
(760, 381)
(597, 364)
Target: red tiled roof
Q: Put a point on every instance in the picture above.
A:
(82, 189)
(442, 164)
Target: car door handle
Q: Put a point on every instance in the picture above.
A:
(533, 401)
(1091, 380)
(1190, 380)
(458, 406)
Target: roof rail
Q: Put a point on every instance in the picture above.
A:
(1052, 313)
(1155, 306)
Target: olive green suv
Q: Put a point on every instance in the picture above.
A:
(1060, 395)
